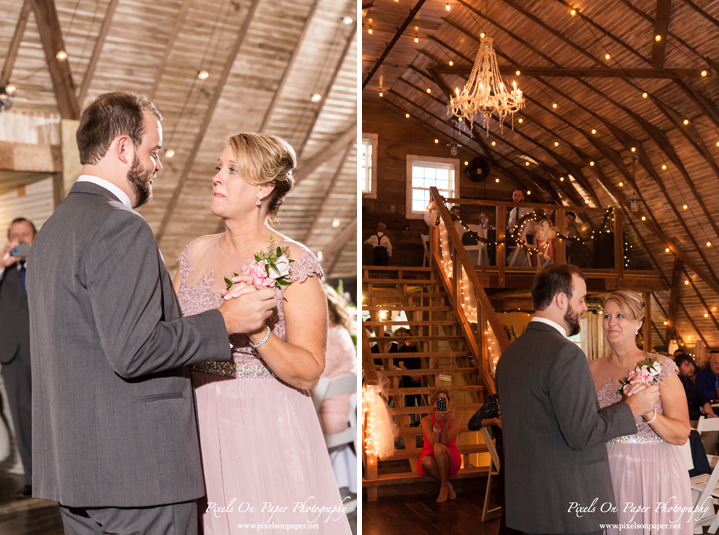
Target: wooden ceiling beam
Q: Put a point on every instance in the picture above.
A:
(333, 250)
(206, 121)
(15, 42)
(535, 179)
(661, 29)
(99, 43)
(703, 13)
(288, 68)
(327, 89)
(179, 21)
(673, 301)
(701, 299)
(554, 32)
(533, 72)
(328, 193)
(702, 102)
(48, 26)
(348, 137)
(391, 44)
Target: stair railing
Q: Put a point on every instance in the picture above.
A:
(469, 300)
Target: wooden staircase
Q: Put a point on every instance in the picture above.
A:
(446, 360)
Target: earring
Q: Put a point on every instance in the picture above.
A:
(259, 202)
(636, 332)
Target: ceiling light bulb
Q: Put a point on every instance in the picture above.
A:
(347, 20)
(369, 30)
(451, 62)
(436, 140)
(556, 143)
(686, 121)
(406, 115)
(521, 120)
(686, 282)
(664, 167)
(381, 94)
(607, 56)
(594, 130)
(466, 163)
(621, 184)
(61, 55)
(704, 73)
(494, 143)
(666, 250)
(657, 38)
(10, 88)
(518, 73)
(203, 75)
(496, 180)
(645, 95)
(573, 12)
(447, 7)
(709, 244)
(527, 164)
(685, 207)
(529, 192)
(634, 149)
(561, 179)
(316, 97)
(591, 163)
(429, 90)
(482, 35)
(644, 218)
(554, 105)
(335, 222)
(169, 153)
(416, 39)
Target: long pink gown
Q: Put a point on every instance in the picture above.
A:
(263, 452)
(649, 475)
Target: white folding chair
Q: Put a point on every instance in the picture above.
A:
(329, 388)
(494, 468)
(706, 425)
(705, 487)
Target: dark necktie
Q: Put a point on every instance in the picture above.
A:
(21, 273)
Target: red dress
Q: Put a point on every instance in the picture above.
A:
(428, 449)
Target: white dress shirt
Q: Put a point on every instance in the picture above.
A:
(554, 324)
(112, 188)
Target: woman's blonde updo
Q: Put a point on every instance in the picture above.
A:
(631, 304)
(265, 158)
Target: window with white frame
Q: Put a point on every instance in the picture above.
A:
(368, 166)
(424, 172)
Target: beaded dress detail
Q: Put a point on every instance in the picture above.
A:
(260, 437)
(648, 472)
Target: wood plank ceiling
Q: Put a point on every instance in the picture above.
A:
(600, 87)
(265, 59)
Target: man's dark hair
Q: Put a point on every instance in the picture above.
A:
(518, 189)
(681, 358)
(571, 214)
(20, 220)
(676, 351)
(552, 280)
(111, 115)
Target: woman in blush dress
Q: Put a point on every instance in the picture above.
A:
(263, 453)
(649, 475)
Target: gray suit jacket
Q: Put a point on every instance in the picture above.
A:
(14, 322)
(555, 435)
(114, 421)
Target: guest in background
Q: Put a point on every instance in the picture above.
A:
(571, 233)
(440, 457)
(334, 412)
(490, 415)
(487, 252)
(454, 213)
(698, 403)
(518, 256)
(382, 246)
(708, 379)
(409, 363)
(15, 345)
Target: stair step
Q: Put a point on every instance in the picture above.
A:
(372, 293)
(417, 431)
(402, 478)
(402, 281)
(409, 308)
(426, 371)
(408, 322)
(430, 389)
(426, 409)
(428, 338)
(414, 453)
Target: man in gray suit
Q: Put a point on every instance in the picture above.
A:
(115, 435)
(556, 466)
(15, 346)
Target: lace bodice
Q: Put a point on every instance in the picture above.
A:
(203, 268)
(607, 396)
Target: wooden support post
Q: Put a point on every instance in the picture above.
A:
(501, 218)
(647, 321)
(673, 301)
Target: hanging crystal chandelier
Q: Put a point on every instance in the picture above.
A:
(485, 93)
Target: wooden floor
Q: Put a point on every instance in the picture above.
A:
(420, 515)
(26, 516)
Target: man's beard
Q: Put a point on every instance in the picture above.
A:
(571, 318)
(140, 181)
